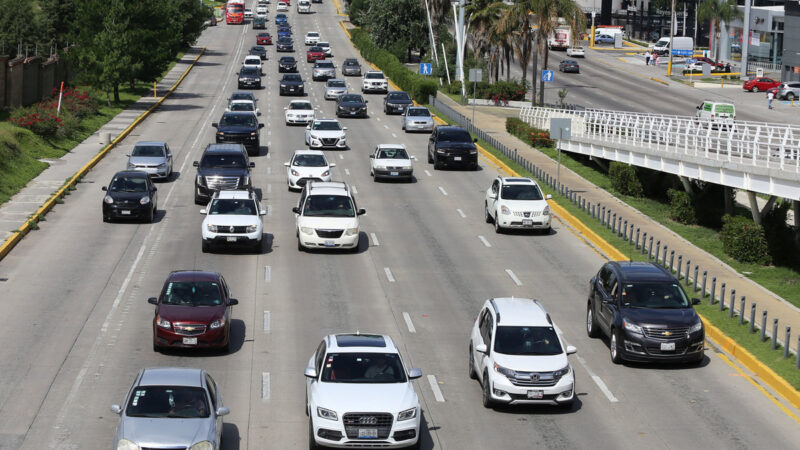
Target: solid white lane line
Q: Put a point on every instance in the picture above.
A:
(437, 393)
(389, 275)
(513, 277)
(485, 242)
(267, 274)
(410, 325)
(265, 386)
(375, 242)
(355, 191)
(461, 213)
(267, 320)
(428, 173)
(441, 189)
(347, 171)
(598, 381)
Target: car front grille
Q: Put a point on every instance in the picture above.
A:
(189, 329)
(380, 421)
(163, 448)
(329, 234)
(232, 229)
(146, 166)
(527, 214)
(222, 183)
(303, 181)
(329, 141)
(540, 379)
(665, 333)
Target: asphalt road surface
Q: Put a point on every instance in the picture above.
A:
(77, 326)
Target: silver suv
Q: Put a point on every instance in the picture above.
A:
(323, 70)
(789, 91)
(153, 158)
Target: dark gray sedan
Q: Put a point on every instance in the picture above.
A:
(569, 65)
(171, 407)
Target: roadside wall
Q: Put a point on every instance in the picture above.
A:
(24, 81)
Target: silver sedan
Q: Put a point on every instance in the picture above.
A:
(334, 88)
(417, 118)
(171, 407)
(153, 158)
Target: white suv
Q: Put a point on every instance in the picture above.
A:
(312, 37)
(519, 356)
(326, 133)
(304, 7)
(359, 393)
(305, 166)
(327, 217)
(375, 81)
(514, 202)
(233, 218)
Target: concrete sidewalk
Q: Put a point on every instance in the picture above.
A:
(492, 121)
(27, 201)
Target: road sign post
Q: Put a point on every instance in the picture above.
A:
(475, 75)
(425, 69)
(560, 129)
(547, 76)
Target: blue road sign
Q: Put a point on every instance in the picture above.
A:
(425, 69)
(682, 52)
(547, 75)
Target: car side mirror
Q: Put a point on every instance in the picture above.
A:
(332, 165)
(196, 164)
(493, 196)
(413, 157)
(695, 301)
(548, 197)
(128, 155)
(286, 108)
(371, 156)
(203, 211)
(263, 212)
(260, 126)
(481, 348)
(286, 164)
(413, 374)
(152, 301)
(103, 188)
(116, 409)
(223, 411)
(251, 165)
(697, 107)
(227, 110)
(310, 372)
(344, 128)
(571, 349)
(258, 112)
(308, 127)
(474, 140)
(366, 101)
(233, 302)
(296, 210)
(362, 211)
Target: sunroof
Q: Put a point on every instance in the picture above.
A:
(360, 340)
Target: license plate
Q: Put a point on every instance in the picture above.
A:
(394, 174)
(527, 222)
(231, 239)
(367, 433)
(125, 212)
(457, 158)
(352, 113)
(190, 341)
(534, 395)
(329, 244)
(667, 346)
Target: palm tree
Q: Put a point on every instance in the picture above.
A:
(516, 22)
(486, 37)
(718, 11)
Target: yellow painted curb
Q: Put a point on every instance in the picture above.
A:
(346, 31)
(659, 81)
(339, 9)
(19, 233)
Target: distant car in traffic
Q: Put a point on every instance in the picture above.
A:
(264, 39)
(603, 39)
(334, 88)
(221, 167)
(239, 127)
(305, 166)
(253, 61)
(232, 218)
(260, 51)
(287, 64)
(326, 48)
(314, 54)
(323, 71)
(396, 102)
(417, 118)
(789, 90)
(248, 13)
(292, 83)
(452, 146)
(312, 37)
(151, 157)
(351, 67)
(760, 84)
(131, 194)
(517, 203)
(243, 95)
(326, 217)
(284, 45)
(351, 105)
(299, 112)
(391, 161)
(249, 77)
(375, 81)
(576, 52)
(569, 66)
(243, 105)
(282, 6)
(326, 133)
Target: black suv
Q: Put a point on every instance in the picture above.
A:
(449, 145)
(240, 127)
(396, 102)
(287, 64)
(292, 83)
(249, 77)
(646, 313)
(222, 167)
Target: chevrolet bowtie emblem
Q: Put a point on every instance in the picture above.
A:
(667, 333)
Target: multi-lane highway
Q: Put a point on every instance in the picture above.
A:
(77, 326)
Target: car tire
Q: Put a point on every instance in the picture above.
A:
(472, 374)
(486, 216)
(151, 216)
(206, 246)
(197, 199)
(156, 348)
(591, 322)
(497, 228)
(790, 96)
(486, 395)
(106, 219)
(546, 231)
(300, 247)
(312, 444)
(257, 245)
(613, 347)
(755, 89)
(225, 349)
(430, 158)
(436, 164)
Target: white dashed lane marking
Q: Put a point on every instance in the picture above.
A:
(441, 189)
(409, 324)
(513, 277)
(461, 213)
(437, 393)
(485, 242)
(389, 275)
(374, 238)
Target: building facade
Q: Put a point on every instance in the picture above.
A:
(791, 43)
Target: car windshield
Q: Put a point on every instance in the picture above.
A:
(287, 60)
(128, 184)
(223, 161)
(324, 65)
(374, 75)
(454, 135)
(350, 98)
(236, 207)
(323, 44)
(351, 62)
(259, 48)
(285, 41)
(238, 120)
(244, 106)
(327, 126)
(309, 161)
(336, 83)
(329, 206)
(253, 61)
(292, 77)
(392, 153)
(520, 192)
(300, 105)
(242, 96)
(399, 96)
(363, 368)
(192, 293)
(249, 71)
(312, 34)
(654, 295)
(527, 341)
(419, 112)
(175, 402)
(148, 150)
(315, 49)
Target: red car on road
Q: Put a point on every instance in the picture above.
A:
(315, 54)
(193, 310)
(760, 84)
(710, 62)
(263, 39)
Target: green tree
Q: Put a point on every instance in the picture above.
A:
(488, 39)
(18, 31)
(718, 11)
(57, 21)
(397, 24)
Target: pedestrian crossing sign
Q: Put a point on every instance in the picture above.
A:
(425, 69)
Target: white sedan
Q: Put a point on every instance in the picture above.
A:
(515, 202)
(242, 105)
(391, 161)
(253, 61)
(312, 37)
(305, 166)
(299, 112)
(282, 6)
(326, 133)
(576, 52)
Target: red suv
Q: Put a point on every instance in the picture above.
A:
(315, 54)
(760, 84)
(263, 39)
(193, 310)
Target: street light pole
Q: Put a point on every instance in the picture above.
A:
(671, 36)
(745, 39)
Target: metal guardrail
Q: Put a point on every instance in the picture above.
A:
(757, 144)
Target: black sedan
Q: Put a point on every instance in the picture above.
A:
(287, 64)
(569, 65)
(351, 105)
(292, 83)
(130, 195)
(396, 102)
(259, 51)
(285, 45)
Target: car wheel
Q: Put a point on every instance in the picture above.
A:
(486, 397)
(197, 199)
(497, 228)
(227, 347)
(106, 219)
(300, 247)
(257, 245)
(472, 374)
(591, 322)
(547, 231)
(206, 246)
(151, 216)
(312, 444)
(430, 158)
(790, 96)
(486, 216)
(616, 358)
(755, 89)
(436, 164)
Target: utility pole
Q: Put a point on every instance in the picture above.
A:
(745, 39)
(430, 30)
(458, 15)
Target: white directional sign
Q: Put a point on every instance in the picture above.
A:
(425, 69)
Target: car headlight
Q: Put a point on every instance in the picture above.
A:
(473, 152)
(327, 413)
(504, 210)
(108, 199)
(144, 200)
(219, 323)
(125, 444)
(504, 371)
(254, 133)
(562, 372)
(205, 445)
(696, 327)
(163, 323)
(407, 414)
(211, 228)
(632, 327)
(439, 150)
(326, 173)
(295, 173)
(251, 228)
(162, 166)
(200, 181)
(283, 85)
(306, 230)
(380, 167)
(351, 231)
(220, 133)
(546, 211)
(131, 166)
(246, 180)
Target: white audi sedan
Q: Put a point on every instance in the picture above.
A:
(305, 166)
(391, 161)
(326, 133)
(360, 394)
(515, 202)
(299, 112)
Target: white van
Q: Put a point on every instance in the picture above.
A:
(717, 111)
(679, 42)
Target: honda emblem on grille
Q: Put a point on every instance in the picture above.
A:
(535, 377)
(368, 420)
(230, 229)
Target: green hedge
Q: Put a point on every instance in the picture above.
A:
(529, 134)
(419, 86)
(744, 241)
(681, 208)
(624, 180)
